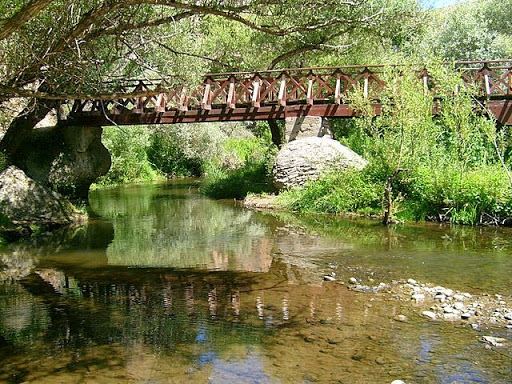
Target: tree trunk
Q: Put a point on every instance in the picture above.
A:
(21, 127)
(277, 133)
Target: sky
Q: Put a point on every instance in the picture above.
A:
(440, 3)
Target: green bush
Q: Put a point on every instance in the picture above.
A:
(243, 167)
(461, 197)
(352, 191)
(166, 153)
(128, 147)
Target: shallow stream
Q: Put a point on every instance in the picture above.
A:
(166, 286)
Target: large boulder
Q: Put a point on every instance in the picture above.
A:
(64, 158)
(25, 202)
(307, 159)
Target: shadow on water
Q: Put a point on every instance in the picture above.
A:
(170, 287)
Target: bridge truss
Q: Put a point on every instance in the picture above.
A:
(278, 94)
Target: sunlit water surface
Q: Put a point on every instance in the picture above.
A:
(166, 286)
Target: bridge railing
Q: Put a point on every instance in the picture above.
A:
(315, 85)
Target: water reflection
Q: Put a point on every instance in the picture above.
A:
(224, 329)
(171, 287)
(161, 226)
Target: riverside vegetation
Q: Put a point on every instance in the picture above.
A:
(451, 167)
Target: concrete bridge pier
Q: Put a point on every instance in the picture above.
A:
(306, 126)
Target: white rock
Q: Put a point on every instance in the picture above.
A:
(451, 316)
(412, 282)
(24, 201)
(459, 306)
(398, 382)
(418, 297)
(431, 315)
(308, 158)
(508, 316)
(353, 280)
(494, 341)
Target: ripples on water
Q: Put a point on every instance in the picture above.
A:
(169, 287)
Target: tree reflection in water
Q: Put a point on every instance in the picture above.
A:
(240, 301)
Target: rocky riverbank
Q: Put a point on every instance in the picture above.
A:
(480, 312)
(26, 204)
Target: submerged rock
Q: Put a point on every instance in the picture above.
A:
(431, 315)
(24, 202)
(494, 341)
(309, 158)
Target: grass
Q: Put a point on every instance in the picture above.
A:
(482, 195)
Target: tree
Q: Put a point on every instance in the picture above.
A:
(56, 48)
(469, 31)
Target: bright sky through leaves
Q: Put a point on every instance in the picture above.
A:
(439, 3)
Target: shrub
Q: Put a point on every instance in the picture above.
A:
(243, 167)
(352, 191)
(128, 148)
(168, 156)
(471, 197)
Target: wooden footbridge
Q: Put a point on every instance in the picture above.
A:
(276, 95)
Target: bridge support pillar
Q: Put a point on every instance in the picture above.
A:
(306, 126)
(64, 158)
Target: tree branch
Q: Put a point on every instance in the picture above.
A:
(206, 58)
(30, 10)
(131, 27)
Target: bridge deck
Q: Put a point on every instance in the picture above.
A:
(279, 94)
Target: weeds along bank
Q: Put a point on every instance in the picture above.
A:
(451, 167)
(232, 159)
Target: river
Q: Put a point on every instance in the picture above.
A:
(166, 286)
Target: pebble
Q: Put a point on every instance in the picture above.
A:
(466, 315)
(353, 280)
(448, 309)
(431, 315)
(418, 297)
(401, 318)
(441, 297)
(398, 382)
(329, 278)
(508, 316)
(475, 326)
(459, 306)
(412, 282)
(494, 341)
(451, 316)
(459, 297)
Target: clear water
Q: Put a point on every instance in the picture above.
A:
(166, 286)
